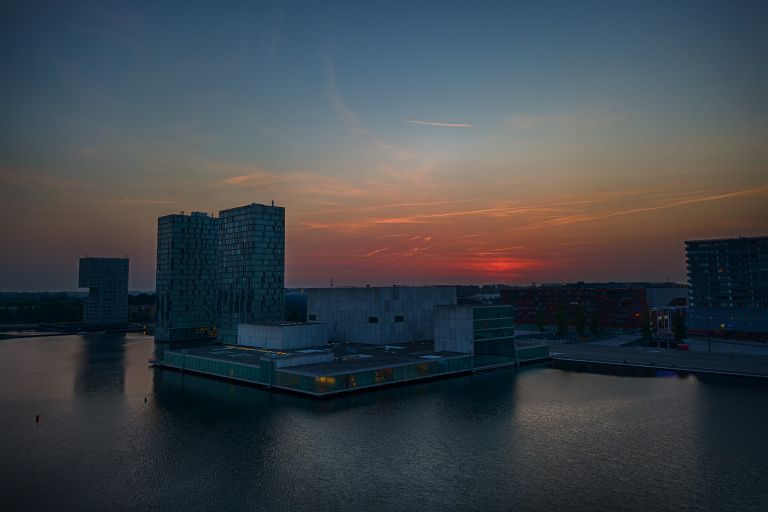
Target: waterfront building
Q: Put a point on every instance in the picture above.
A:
(107, 283)
(728, 286)
(186, 277)
(610, 305)
(250, 278)
(486, 332)
(283, 335)
(378, 315)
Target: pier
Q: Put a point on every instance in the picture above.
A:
(714, 363)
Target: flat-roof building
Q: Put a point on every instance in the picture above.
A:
(486, 332)
(378, 315)
(728, 285)
(250, 282)
(216, 273)
(613, 305)
(107, 283)
(283, 335)
(186, 277)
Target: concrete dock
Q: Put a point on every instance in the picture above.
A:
(718, 363)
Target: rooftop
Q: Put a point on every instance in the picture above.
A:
(354, 356)
(358, 357)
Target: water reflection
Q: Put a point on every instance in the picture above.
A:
(101, 366)
(534, 439)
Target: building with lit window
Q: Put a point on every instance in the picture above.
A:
(378, 315)
(250, 278)
(107, 283)
(728, 286)
(186, 277)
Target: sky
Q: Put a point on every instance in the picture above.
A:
(410, 142)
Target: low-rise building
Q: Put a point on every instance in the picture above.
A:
(487, 332)
(283, 335)
(378, 315)
(609, 305)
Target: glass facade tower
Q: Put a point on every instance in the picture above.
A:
(186, 277)
(251, 267)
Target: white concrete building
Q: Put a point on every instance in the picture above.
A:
(454, 329)
(479, 330)
(283, 335)
(378, 315)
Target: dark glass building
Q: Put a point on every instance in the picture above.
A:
(728, 285)
(186, 277)
(107, 283)
(251, 267)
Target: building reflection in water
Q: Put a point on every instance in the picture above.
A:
(102, 364)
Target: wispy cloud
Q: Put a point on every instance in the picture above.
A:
(499, 212)
(296, 181)
(410, 252)
(587, 217)
(443, 125)
(375, 252)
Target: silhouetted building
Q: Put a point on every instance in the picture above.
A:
(186, 277)
(608, 305)
(728, 283)
(250, 267)
(107, 283)
(214, 274)
(378, 315)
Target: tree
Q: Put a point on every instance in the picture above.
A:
(645, 324)
(562, 320)
(579, 320)
(594, 324)
(679, 329)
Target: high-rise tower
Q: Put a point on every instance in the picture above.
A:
(107, 283)
(250, 267)
(186, 277)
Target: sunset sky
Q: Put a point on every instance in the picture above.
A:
(410, 143)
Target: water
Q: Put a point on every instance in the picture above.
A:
(539, 439)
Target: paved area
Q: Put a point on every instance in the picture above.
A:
(706, 362)
(728, 347)
(616, 341)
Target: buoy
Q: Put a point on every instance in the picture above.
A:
(37, 418)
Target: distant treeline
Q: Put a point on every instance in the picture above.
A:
(36, 307)
(464, 290)
(31, 308)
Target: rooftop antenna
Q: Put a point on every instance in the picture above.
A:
(331, 282)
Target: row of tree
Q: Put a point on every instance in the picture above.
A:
(584, 323)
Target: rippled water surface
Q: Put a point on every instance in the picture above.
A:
(538, 439)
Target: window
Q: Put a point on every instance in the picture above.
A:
(373, 319)
(399, 318)
(311, 317)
